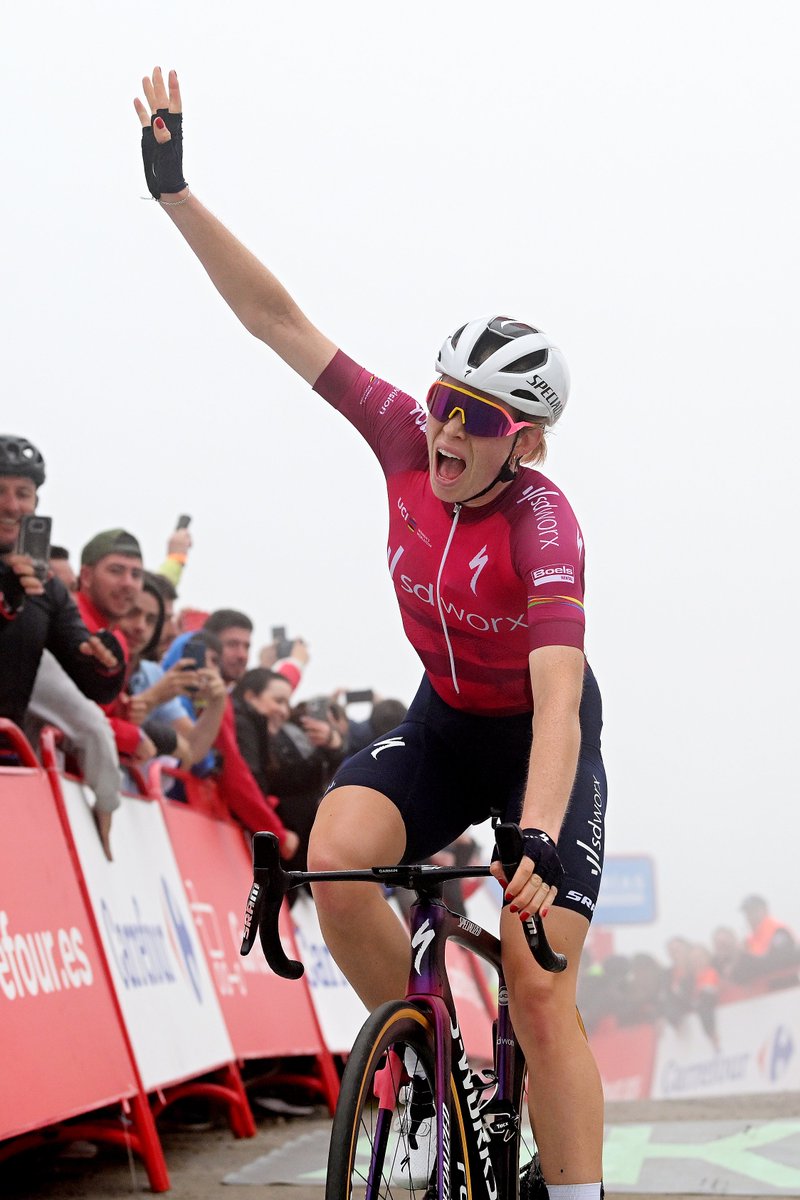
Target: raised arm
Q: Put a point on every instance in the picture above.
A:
(257, 298)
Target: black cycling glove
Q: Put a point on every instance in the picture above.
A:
(163, 161)
(540, 848)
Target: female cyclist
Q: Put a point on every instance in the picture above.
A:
(487, 562)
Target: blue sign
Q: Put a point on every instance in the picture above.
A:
(627, 891)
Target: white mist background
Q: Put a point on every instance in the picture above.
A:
(624, 175)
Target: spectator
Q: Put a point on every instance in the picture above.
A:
(767, 936)
(87, 737)
(293, 762)
(771, 946)
(158, 647)
(234, 630)
(178, 547)
(237, 787)
(158, 691)
(110, 582)
(726, 953)
(62, 568)
(680, 980)
(37, 615)
(705, 990)
(273, 657)
(386, 715)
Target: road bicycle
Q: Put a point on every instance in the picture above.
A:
(412, 1115)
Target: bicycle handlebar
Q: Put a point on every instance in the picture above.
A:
(509, 845)
(271, 883)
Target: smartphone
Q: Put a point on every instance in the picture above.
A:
(282, 643)
(365, 697)
(183, 521)
(318, 708)
(195, 649)
(34, 540)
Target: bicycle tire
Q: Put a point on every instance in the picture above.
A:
(368, 1141)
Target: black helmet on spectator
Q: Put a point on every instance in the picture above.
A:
(18, 456)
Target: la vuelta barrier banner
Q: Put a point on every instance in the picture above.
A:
(61, 1045)
(159, 969)
(267, 1017)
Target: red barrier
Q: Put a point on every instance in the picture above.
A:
(626, 1059)
(266, 1016)
(61, 1038)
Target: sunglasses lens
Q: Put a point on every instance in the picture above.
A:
(479, 418)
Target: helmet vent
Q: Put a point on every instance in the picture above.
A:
(485, 347)
(530, 362)
(456, 336)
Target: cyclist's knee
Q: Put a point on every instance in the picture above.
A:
(355, 828)
(543, 1003)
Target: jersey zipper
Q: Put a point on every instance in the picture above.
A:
(456, 514)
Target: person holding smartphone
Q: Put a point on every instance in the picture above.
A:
(38, 614)
(487, 560)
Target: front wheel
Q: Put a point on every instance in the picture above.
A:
(383, 1141)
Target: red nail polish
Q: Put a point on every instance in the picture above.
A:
(514, 908)
(509, 897)
(159, 123)
(545, 911)
(524, 916)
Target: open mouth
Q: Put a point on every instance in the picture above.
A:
(448, 466)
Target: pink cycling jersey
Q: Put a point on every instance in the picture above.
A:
(478, 588)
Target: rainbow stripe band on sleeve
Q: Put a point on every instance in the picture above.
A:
(535, 601)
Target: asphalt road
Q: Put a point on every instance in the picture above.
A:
(199, 1161)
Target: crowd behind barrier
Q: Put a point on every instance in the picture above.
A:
(627, 990)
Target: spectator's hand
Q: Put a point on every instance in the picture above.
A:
(103, 822)
(93, 647)
(180, 542)
(300, 652)
(22, 566)
(180, 680)
(290, 844)
(321, 733)
(268, 656)
(212, 685)
(338, 719)
(136, 709)
(145, 750)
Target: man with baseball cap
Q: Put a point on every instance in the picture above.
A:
(39, 613)
(109, 584)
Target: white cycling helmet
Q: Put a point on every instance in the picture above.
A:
(510, 360)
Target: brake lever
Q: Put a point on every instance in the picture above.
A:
(270, 885)
(509, 845)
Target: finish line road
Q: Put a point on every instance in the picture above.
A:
(742, 1146)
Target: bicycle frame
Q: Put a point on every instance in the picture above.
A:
(492, 1147)
(493, 1151)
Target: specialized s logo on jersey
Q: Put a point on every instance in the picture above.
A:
(477, 564)
(392, 743)
(556, 573)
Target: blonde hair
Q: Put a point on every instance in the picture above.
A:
(534, 457)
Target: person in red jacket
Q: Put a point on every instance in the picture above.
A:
(110, 581)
